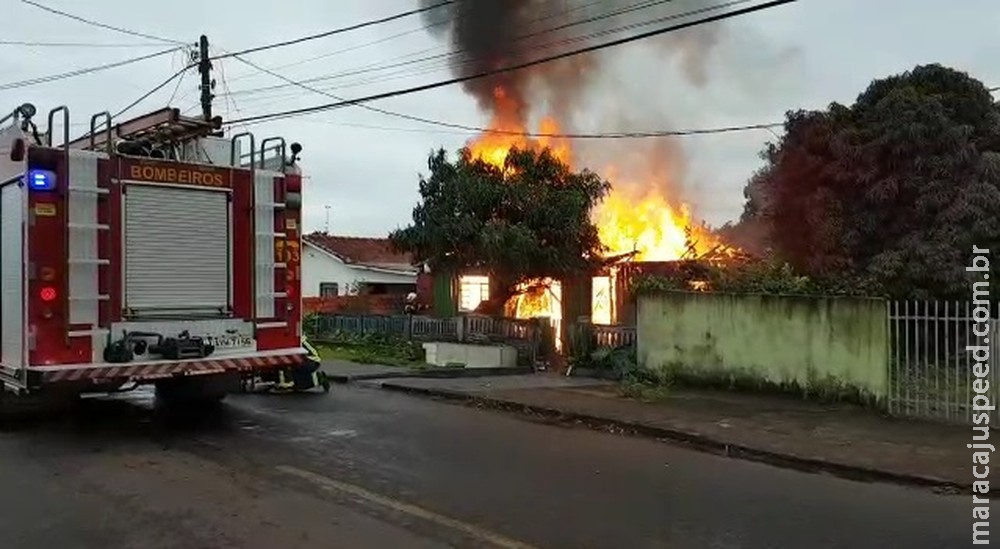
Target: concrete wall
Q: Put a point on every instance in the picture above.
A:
(319, 267)
(815, 344)
(442, 354)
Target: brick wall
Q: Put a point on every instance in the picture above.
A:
(355, 304)
(425, 288)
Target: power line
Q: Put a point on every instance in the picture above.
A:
(444, 58)
(340, 30)
(179, 75)
(579, 135)
(492, 130)
(518, 66)
(178, 86)
(225, 86)
(513, 51)
(539, 47)
(99, 24)
(427, 27)
(81, 72)
(73, 44)
(176, 76)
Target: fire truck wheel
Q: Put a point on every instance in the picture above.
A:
(15, 409)
(200, 390)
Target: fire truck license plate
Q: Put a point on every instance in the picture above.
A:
(231, 342)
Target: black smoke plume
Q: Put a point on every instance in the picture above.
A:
(488, 34)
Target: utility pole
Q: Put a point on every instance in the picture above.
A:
(205, 69)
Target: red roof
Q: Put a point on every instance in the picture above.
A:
(364, 251)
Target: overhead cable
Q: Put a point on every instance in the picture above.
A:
(515, 67)
(81, 72)
(93, 23)
(340, 30)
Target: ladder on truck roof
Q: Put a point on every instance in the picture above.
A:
(166, 125)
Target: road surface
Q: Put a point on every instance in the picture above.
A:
(363, 468)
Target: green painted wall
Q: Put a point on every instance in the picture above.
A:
(813, 344)
(445, 288)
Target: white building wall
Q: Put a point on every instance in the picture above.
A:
(319, 267)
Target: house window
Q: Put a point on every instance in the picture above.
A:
(329, 289)
(473, 290)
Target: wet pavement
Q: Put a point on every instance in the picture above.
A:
(365, 468)
(840, 438)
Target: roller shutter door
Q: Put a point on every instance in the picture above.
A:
(11, 275)
(176, 249)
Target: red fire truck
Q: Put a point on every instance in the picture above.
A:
(152, 251)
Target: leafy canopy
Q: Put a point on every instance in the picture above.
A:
(891, 192)
(525, 220)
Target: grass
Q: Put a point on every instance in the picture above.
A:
(373, 350)
(363, 355)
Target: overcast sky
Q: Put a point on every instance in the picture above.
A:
(365, 165)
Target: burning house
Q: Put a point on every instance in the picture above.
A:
(644, 222)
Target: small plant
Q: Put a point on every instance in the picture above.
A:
(648, 385)
(621, 361)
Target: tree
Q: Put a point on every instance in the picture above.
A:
(526, 220)
(891, 192)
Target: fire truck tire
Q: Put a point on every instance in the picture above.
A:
(199, 390)
(16, 409)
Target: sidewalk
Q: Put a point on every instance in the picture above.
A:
(838, 439)
(343, 371)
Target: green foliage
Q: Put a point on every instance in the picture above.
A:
(310, 324)
(620, 361)
(529, 219)
(647, 385)
(767, 276)
(374, 348)
(891, 192)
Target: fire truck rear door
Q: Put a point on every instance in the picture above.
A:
(12, 208)
(177, 249)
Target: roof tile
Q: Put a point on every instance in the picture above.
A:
(367, 251)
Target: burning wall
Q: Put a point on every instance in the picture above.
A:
(645, 213)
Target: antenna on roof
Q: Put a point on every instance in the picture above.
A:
(326, 230)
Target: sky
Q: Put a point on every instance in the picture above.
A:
(363, 167)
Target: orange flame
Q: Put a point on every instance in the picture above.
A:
(649, 225)
(652, 226)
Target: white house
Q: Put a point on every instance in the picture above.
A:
(345, 265)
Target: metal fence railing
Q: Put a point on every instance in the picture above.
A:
(613, 336)
(584, 338)
(523, 335)
(930, 368)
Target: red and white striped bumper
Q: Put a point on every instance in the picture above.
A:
(148, 371)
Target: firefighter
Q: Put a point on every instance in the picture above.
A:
(306, 376)
(412, 305)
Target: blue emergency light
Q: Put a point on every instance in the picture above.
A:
(41, 180)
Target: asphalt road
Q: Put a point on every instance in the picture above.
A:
(363, 468)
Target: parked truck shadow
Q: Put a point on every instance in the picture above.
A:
(135, 414)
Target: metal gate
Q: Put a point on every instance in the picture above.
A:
(177, 250)
(930, 369)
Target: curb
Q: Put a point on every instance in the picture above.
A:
(689, 440)
(441, 373)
